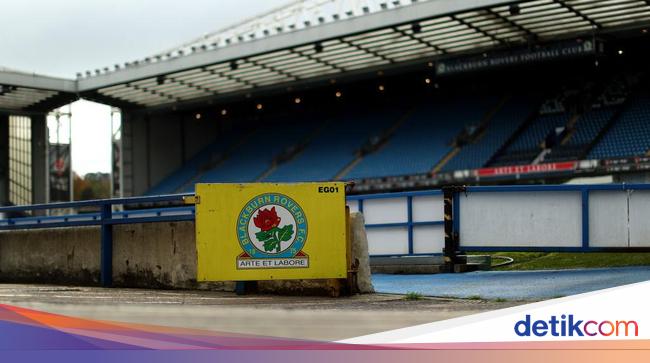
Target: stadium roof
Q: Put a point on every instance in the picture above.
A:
(313, 40)
(33, 92)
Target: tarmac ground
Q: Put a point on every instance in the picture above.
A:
(443, 296)
(512, 285)
(319, 318)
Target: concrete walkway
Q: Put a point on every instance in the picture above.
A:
(321, 318)
(317, 317)
(512, 285)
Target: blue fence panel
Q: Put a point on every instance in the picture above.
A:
(591, 227)
(409, 223)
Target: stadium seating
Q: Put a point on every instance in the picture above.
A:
(336, 146)
(414, 139)
(630, 134)
(537, 131)
(587, 128)
(499, 128)
(527, 145)
(214, 152)
(590, 125)
(425, 138)
(249, 160)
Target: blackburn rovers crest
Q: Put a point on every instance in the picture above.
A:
(272, 231)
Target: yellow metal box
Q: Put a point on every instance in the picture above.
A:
(267, 231)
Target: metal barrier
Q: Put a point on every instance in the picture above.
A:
(105, 218)
(402, 224)
(581, 218)
(399, 224)
(553, 218)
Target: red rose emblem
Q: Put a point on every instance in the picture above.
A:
(266, 219)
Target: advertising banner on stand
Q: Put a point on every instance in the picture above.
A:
(59, 170)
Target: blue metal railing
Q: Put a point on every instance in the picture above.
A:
(149, 210)
(95, 218)
(409, 224)
(105, 218)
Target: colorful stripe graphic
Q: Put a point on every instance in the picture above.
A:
(26, 329)
(34, 336)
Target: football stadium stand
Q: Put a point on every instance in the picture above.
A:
(498, 130)
(630, 133)
(426, 135)
(430, 134)
(251, 159)
(434, 93)
(327, 154)
(587, 128)
(204, 161)
(528, 144)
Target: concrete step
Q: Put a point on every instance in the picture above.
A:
(428, 264)
(479, 262)
(407, 265)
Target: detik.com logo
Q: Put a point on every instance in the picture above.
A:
(568, 325)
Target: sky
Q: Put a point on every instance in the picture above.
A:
(63, 37)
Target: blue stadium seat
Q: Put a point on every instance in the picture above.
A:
(423, 140)
(590, 124)
(255, 155)
(502, 125)
(335, 147)
(537, 131)
(630, 134)
(174, 182)
(587, 127)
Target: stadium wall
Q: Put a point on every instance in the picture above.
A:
(144, 255)
(39, 159)
(147, 255)
(165, 148)
(4, 159)
(39, 143)
(156, 145)
(632, 178)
